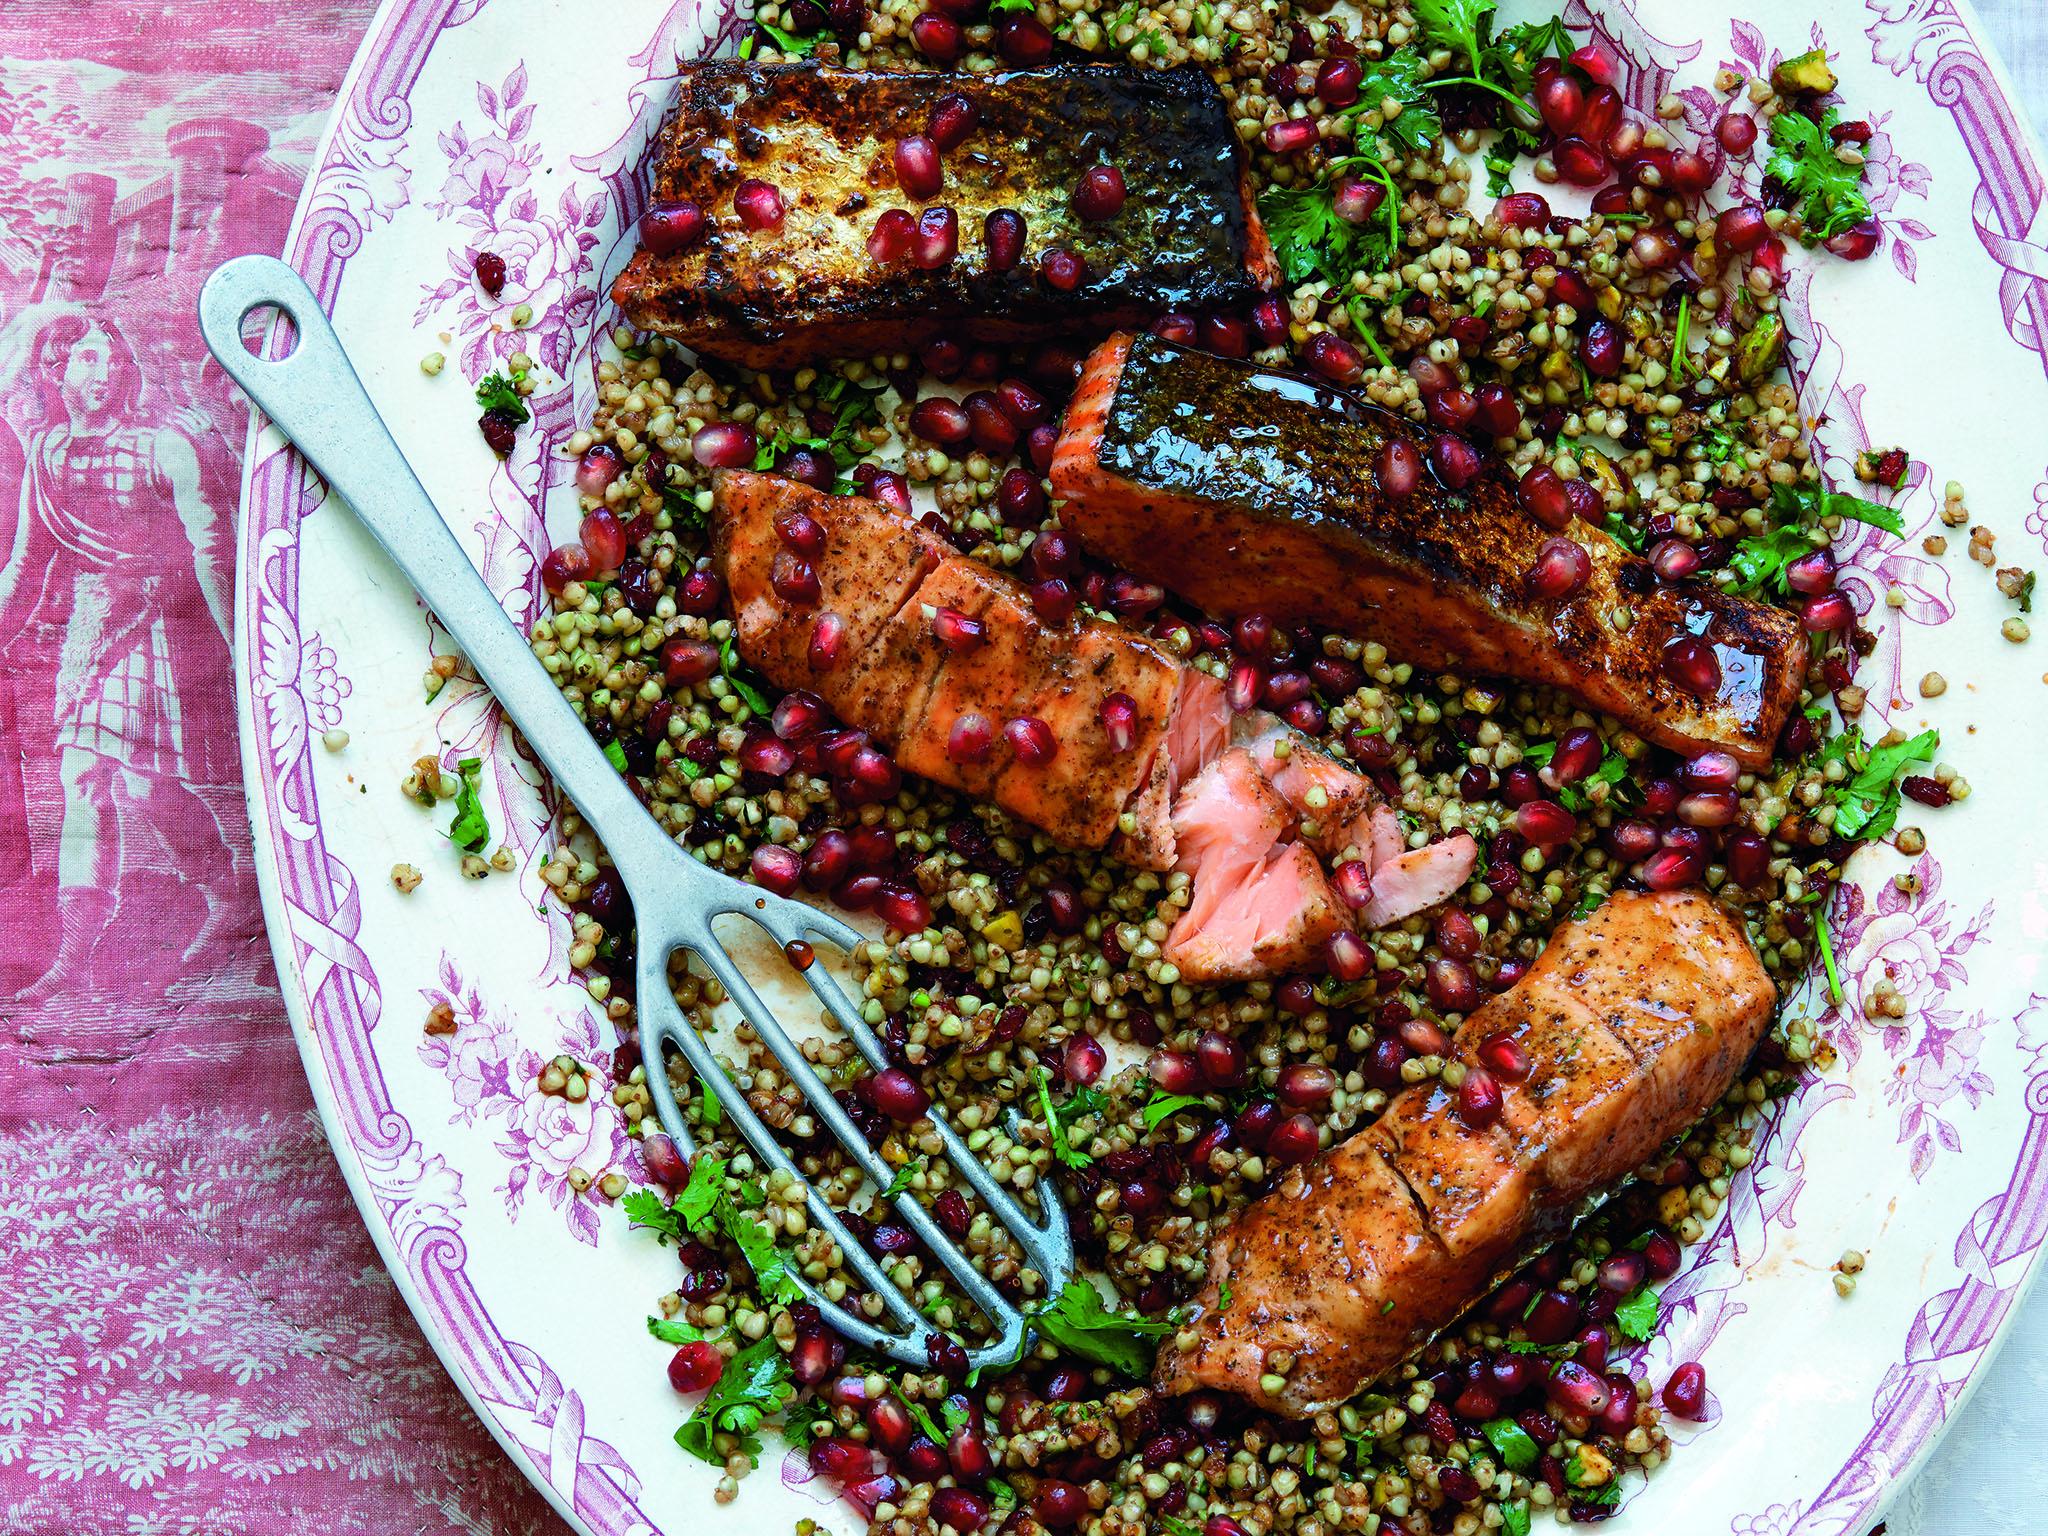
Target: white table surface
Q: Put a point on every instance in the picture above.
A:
(1982, 1479)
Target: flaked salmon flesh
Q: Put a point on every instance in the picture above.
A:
(1249, 491)
(1251, 810)
(1635, 1020)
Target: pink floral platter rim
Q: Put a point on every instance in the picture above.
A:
(444, 141)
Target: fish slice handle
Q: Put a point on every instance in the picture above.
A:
(314, 398)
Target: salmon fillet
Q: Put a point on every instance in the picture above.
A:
(1188, 235)
(1246, 490)
(1247, 807)
(1635, 1020)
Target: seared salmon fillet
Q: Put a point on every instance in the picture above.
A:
(1635, 1020)
(1187, 236)
(1246, 490)
(1248, 808)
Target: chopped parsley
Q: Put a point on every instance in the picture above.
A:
(1613, 771)
(1089, 1101)
(1510, 146)
(903, 1177)
(496, 392)
(1636, 1318)
(1310, 240)
(471, 829)
(788, 42)
(1076, 1320)
(2026, 593)
(755, 1386)
(1395, 78)
(1163, 1105)
(673, 1330)
(1759, 562)
(1017, 5)
(704, 1206)
(1514, 1518)
(1517, 1450)
(1810, 499)
(615, 754)
(1828, 190)
(1867, 800)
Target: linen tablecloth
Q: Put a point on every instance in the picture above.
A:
(195, 1332)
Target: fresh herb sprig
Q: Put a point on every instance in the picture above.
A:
(1827, 188)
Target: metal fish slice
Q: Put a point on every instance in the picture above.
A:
(314, 398)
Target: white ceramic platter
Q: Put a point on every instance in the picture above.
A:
(518, 125)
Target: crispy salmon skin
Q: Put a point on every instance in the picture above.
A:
(1247, 490)
(1188, 235)
(1634, 1021)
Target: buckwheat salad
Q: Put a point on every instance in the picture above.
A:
(1413, 163)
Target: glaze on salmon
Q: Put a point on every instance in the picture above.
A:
(1635, 1020)
(1248, 808)
(1246, 490)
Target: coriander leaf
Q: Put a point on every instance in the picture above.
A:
(1551, 1351)
(1309, 239)
(1514, 1518)
(495, 392)
(1829, 190)
(771, 1266)
(1636, 1318)
(1005, 1496)
(644, 1208)
(1759, 561)
(1718, 443)
(1077, 1321)
(471, 829)
(756, 1384)
(926, 1422)
(1464, 26)
(701, 1194)
(711, 1112)
(1811, 500)
(735, 674)
(1175, 1526)
(673, 1330)
(1415, 124)
(788, 42)
(1622, 531)
(1014, 5)
(1518, 48)
(2026, 593)
(615, 754)
(1088, 1101)
(1512, 143)
(1868, 805)
(903, 1177)
(1163, 1105)
(1517, 1450)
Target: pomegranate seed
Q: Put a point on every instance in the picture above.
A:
(1479, 1100)
(763, 753)
(937, 37)
(1456, 934)
(1220, 1058)
(1024, 42)
(1810, 575)
(1504, 1057)
(1561, 103)
(1025, 406)
(696, 1366)
(1243, 687)
(1674, 559)
(1827, 612)
(1356, 200)
(797, 715)
(1856, 244)
(890, 240)
(1685, 1393)
(1431, 377)
(1748, 858)
(873, 773)
(1601, 349)
(1579, 751)
(1338, 81)
(1040, 444)
(1522, 210)
(944, 359)
(1673, 869)
(1269, 320)
(1174, 1071)
(1496, 412)
(828, 634)
(1119, 714)
(1577, 1391)
(953, 118)
(1084, 1061)
(918, 171)
(1567, 287)
(1020, 498)
(1053, 600)
(829, 861)
(1736, 133)
(1175, 327)
(759, 205)
(777, 868)
(1622, 1271)
(1346, 957)
(1226, 336)
(1542, 494)
(1455, 461)
(563, 564)
(965, 1512)
(1031, 739)
(891, 490)
(794, 578)
(1552, 1319)
(723, 445)
(1654, 249)
(802, 533)
(1303, 1085)
(1596, 65)
(992, 431)
(1452, 987)
(1586, 503)
(1334, 358)
(490, 272)
(1580, 163)
(598, 468)
(702, 592)
(1294, 1140)
(1454, 408)
(898, 1095)
(1690, 662)
(939, 420)
(1057, 1505)
(1545, 823)
(938, 239)
(1100, 194)
(1741, 228)
(1710, 808)
(1289, 135)
(1561, 567)
(1691, 173)
(1352, 881)
(957, 632)
(671, 227)
(1062, 270)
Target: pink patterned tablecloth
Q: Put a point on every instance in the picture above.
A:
(195, 1332)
